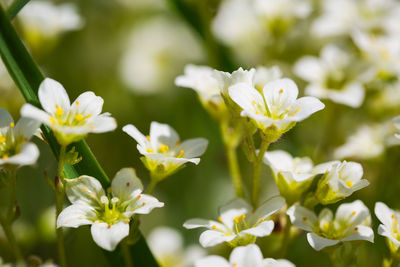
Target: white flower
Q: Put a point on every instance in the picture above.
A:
(14, 146)
(43, 19)
(70, 122)
(156, 52)
(341, 179)
(108, 214)
(162, 150)
(239, 76)
(264, 75)
(293, 176)
(167, 245)
(351, 222)
(248, 256)
(277, 109)
(390, 224)
(330, 77)
(369, 141)
(382, 53)
(237, 224)
(396, 122)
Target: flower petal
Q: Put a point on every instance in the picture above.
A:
(318, 242)
(212, 261)
(233, 209)
(263, 229)
(247, 97)
(162, 134)
(279, 160)
(211, 238)
(197, 223)
(246, 256)
(282, 92)
(5, 118)
(126, 185)
(268, 208)
(144, 205)
(108, 236)
(384, 213)
(306, 106)
(102, 123)
(26, 127)
(27, 156)
(30, 111)
(76, 215)
(361, 232)
(88, 103)
(193, 148)
(302, 218)
(51, 94)
(353, 213)
(84, 189)
(135, 134)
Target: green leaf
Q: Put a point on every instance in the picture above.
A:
(15, 7)
(28, 77)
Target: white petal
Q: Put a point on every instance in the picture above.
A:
(362, 233)
(51, 94)
(246, 256)
(309, 69)
(84, 189)
(268, 208)
(102, 123)
(26, 127)
(126, 185)
(352, 95)
(279, 160)
(108, 236)
(196, 223)
(307, 105)
(144, 205)
(324, 167)
(263, 229)
(351, 170)
(30, 111)
(233, 209)
(193, 148)
(165, 241)
(211, 238)
(318, 242)
(277, 263)
(280, 91)
(5, 118)
(28, 155)
(162, 134)
(247, 97)
(76, 215)
(89, 103)
(135, 134)
(212, 261)
(384, 213)
(353, 213)
(302, 218)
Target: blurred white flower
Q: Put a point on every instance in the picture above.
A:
(248, 256)
(382, 53)
(109, 217)
(277, 109)
(340, 17)
(239, 76)
(69, 122)
(351, 222)
(396, 122)
(293, 176)
(163, 152)
(155, 54)
(340, 180)
(264, 75)
(369, 141)
(43, 21)
(238, 224)
(6, 81)
(330, 77)
(389, 226)
(167, 245)
(15, 148)
(387, 98)
(3, 264)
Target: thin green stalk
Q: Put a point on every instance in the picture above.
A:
(285, 238)
(151, 186)
(6, 224)
(126, 253)
(255, 187)
(16, 7)
(13, 194)
(235, 171)
(60, 191)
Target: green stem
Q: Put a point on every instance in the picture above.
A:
(151, 186)
(126, 253)
(235, 171)
(59, 184)
(6, 224)
(285, 238)
(255, 187)
(13, 194)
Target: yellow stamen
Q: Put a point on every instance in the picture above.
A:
(77, 103)
(281, 91)
(214, 227)
(79, 117)
(219, 219)
(148, 138)
(227, 234)
(84, 189)
(88, 116)
(2, 139)
(178, 143)
(254, 102)
(164, 148)
(52, 120)
(349, 183)
(12, 124)
(353, 213)
(356, 229)
(180, 154)
(149, 150)
(243, 216)
(326, 225)
(393, 216)
(59, 111)
(5, 157)
(236, 220)
(304, 219)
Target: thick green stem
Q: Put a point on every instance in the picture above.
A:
(235, 171)
(285, 238)
(255, 187)
(126, 253)
(59, 185)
